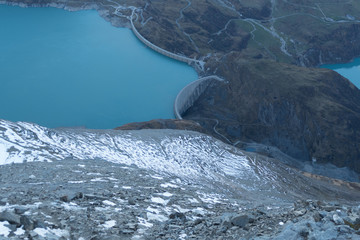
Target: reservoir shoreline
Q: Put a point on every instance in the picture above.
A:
(115, 92)
(188, 95)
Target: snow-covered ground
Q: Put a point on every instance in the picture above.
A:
(191, 156)
(158, 183)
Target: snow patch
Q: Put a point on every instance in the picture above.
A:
(193, 200)
(112, 179)
(19, 231)
(182, 236)
(156, 217)
(98, 180)
(4, 231)
(93, 174)
(169, 185)
(180, 209)
(71, 207)
(199, 210)
(157, 177)
(159, 200)
(109, 203)
(43, 232)
(144, 222)
(76, 181)
(166, 194)
(207, 198)
(109, 224)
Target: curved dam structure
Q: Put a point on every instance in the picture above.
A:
(190, 93)
(158, 49)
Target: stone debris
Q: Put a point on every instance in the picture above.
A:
(151, 208)
(10, 217)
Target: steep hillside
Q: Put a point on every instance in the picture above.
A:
(315, 115)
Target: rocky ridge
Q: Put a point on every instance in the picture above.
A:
(157, 184)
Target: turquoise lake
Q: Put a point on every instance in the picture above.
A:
(349, 70)
(73, 69)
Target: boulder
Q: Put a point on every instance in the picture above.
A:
(11, 218)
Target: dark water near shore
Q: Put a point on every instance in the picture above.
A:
(349, 70)
(60, 68)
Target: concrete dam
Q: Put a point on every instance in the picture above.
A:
(190, 93)
(158, 49)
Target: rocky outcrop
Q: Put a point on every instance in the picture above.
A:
(164, 124)
(339, 44)
(306, 113)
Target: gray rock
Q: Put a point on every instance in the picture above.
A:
(317, 217)
(345, 229)
(33, 234)
(127, 231)
(20, 210)
(198, 221)
(251, 218)
(70, 196)
(12, 227)
(114, 237)
(64, 198)
(3, 202)
(178, 216)
(357, 221)
(329, 208)
(131, 226)
(338, 220)
(91, 196)
(304, 233)
(27, 223)
(10, 217)
(39, 224)
(217, 221)
(240, 221)
(300, 212)
(131, 201)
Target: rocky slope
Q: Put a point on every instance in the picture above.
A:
(165, 124)
(165, 184)
(159, 184)
(95, 199)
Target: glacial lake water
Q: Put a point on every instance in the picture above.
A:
(73, 69)
(349, 70)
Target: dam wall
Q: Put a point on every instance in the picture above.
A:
(190, 93)
(158, 49)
